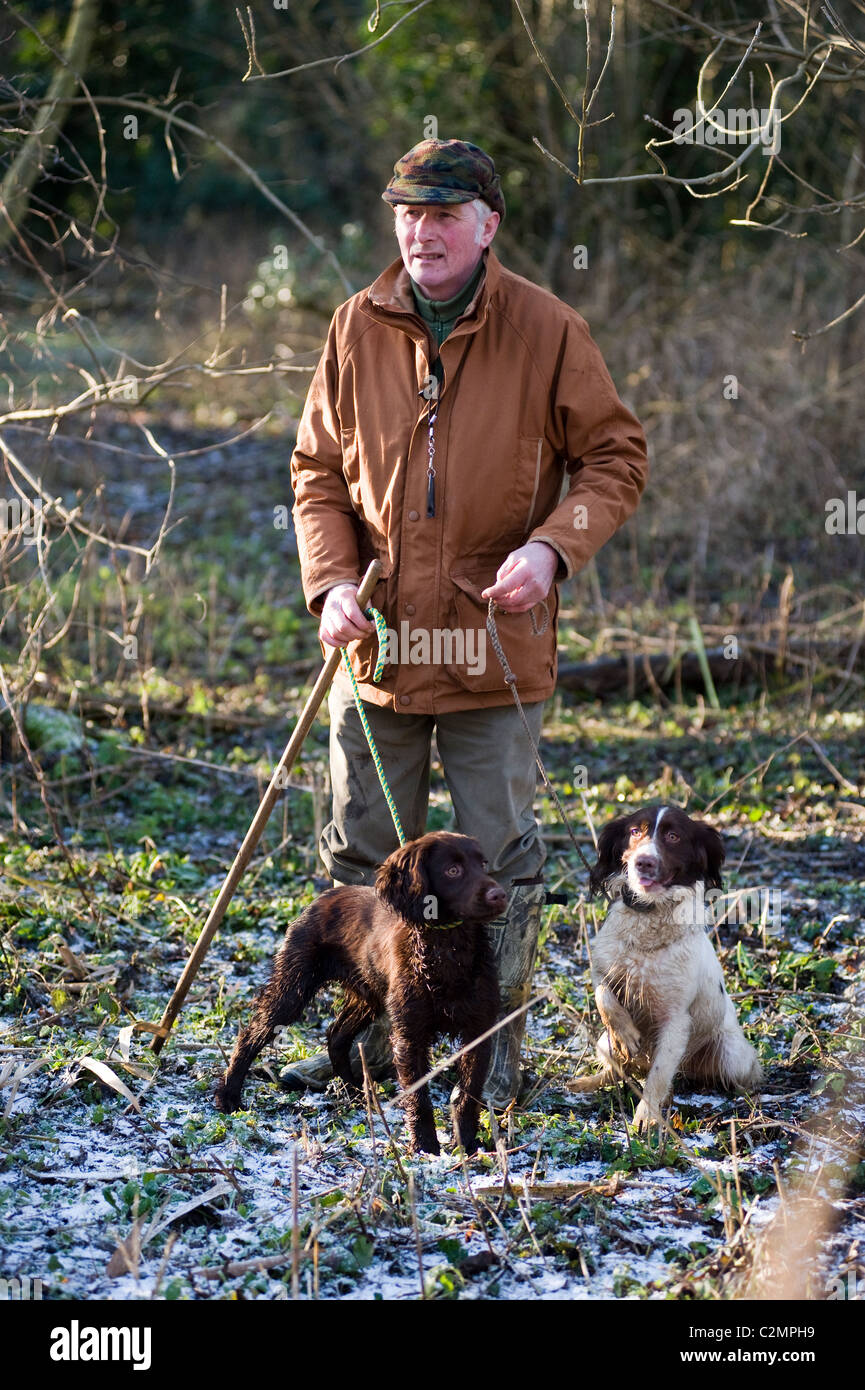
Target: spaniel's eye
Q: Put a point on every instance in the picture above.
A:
(637, 830)
(454, 870)
(672, 837)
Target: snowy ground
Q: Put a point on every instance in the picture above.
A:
(300, 1196)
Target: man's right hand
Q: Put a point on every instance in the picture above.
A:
(341, 619)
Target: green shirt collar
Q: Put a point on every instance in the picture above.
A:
(443, 313)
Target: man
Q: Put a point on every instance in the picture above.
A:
(451, 404)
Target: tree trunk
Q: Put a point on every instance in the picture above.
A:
(29, 162)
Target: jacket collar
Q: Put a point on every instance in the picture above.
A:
(391, 293)
(448, 309)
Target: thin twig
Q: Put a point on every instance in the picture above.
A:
(417, 1240)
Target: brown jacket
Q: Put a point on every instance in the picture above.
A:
(526, 403)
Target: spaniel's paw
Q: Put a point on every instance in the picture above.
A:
(625, 1042)
(646, 1116)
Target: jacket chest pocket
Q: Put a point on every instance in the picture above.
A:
(492, 485)
(351, 467)
(527, 483)
(364, 490)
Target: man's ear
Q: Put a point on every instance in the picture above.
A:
(486, 236)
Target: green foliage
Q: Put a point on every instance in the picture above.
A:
(141, 1198)
(363, 1250)
(795, 970)
(444, 1282)
(648, 1152)
(749, 971)
(290, 279)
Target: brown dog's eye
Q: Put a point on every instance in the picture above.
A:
(672, 837)
(454, 871)
(638, 830)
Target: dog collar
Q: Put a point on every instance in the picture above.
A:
(449, 926)
(634, 903)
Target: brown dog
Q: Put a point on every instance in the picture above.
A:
(414, 945)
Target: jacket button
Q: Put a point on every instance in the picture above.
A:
(409, 608)
(413, 516)
(405, 699)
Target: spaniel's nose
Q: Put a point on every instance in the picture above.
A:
(495, 897)
(645, 863)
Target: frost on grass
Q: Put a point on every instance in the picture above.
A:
(315, 1196)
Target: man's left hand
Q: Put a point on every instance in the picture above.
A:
(524, 578)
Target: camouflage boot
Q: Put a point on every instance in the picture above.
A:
(515, 945)
(313, 1073)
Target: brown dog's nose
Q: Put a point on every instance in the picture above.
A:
(645, 863)
(495, 896)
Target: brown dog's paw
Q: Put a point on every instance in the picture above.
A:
(425, 1142)
(468, 1145)
(225, 1100)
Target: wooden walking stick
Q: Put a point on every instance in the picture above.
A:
(262, 815)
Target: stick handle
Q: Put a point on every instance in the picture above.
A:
(262, 815)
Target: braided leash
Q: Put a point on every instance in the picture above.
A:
(381, 632)
(511, 680)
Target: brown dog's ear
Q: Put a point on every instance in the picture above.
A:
(611, 845)
(712, 850)
(403, 883)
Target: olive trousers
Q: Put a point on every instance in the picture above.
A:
(488, 766)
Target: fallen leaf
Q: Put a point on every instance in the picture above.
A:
(109, 1078)
(220, 1189)
(127, 1254)
(71, 961)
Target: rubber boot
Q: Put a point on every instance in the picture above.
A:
(515, 945)
(313, 1073)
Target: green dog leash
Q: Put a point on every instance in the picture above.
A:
(381, 631)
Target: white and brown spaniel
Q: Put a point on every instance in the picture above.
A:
(658, 983)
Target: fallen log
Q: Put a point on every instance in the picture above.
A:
(614, 673)
(638, 671)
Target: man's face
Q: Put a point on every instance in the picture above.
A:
(442, 244)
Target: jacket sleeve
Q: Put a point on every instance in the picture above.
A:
(324, 520)
(604, 449)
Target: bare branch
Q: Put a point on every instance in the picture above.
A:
(343, 58)
(804, 337)
(248, 31)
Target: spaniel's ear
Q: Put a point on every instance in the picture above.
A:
(612, 842)
(403, 882)
(712, 851)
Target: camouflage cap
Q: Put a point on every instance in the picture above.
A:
(445, 171)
